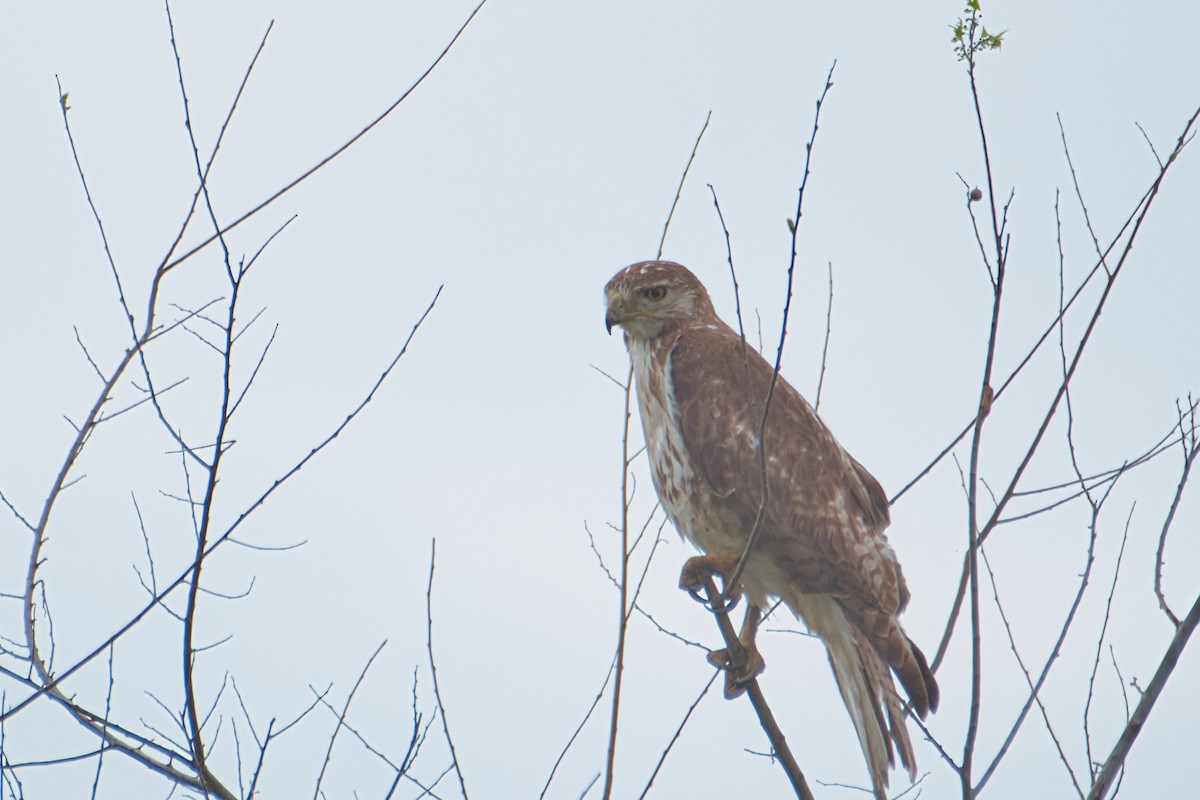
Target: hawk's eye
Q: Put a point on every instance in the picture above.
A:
(656, 293)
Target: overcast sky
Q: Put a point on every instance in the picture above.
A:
(538, 159)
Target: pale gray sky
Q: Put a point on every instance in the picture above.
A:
(537, 160)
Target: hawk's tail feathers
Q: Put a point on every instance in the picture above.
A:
(901, 654)
(928, 682)
(879, 681)
(866, 687)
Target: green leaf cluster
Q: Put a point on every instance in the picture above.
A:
(970, 36)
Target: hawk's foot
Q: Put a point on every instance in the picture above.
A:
(698, 569)
(736, 677)
(736, 681)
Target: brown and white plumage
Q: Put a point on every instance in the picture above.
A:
(701, 392)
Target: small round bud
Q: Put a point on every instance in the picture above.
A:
(976, 195)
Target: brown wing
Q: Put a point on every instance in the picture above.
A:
(875, 500)
(720, 391)
(825, 515)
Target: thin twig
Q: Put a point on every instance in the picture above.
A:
(1112, 590)
(437, 693)
(169, 262)
(751, 389)
(341, 719)
(622, 589)
(756, 529)
(1136, 220)
(87, 355)
(679, 189)
(679, 730)
(1190, 452)
(825, 347)
(578, 728)
(737, 294)
(1146, 136)
(1087, 218)
(929, 737)
(4, 499)
(87, 193)
(626, 499)
(104, 725)
(1034, 689)
(50, 685)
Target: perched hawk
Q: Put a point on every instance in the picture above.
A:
(701, 392)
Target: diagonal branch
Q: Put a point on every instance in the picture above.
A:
(682, 181)
(341, 720)
(1116, 760)
(170, 261)
(737, 662)
(154, 602)
(679, 730)
(1136, 220)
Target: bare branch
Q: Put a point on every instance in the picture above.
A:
(1136, 220)
(986, 397)
(262, 356)
(1116, 760)
(1190, 449)
(563, 753)
(104, 723)
(8, 503)
(437, 693)
(737, 661)
(87, 193)
(825, 347)
(170, 261)
(51, 684)
(622, 589)
(1034, 689)
(1150, 143)
(756, 529)
(682, 179)
(341, 718)
(737, 294)
(1087, 218)
(620, 385)
(679, 730)
(88, 355)
(1112, 590)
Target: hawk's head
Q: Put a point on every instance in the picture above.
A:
(651, 298)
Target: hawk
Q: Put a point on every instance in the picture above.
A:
(821, 548)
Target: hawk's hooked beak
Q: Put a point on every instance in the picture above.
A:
(616, 312)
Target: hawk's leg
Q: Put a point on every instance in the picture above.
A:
(696, 572)
(735, 682)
